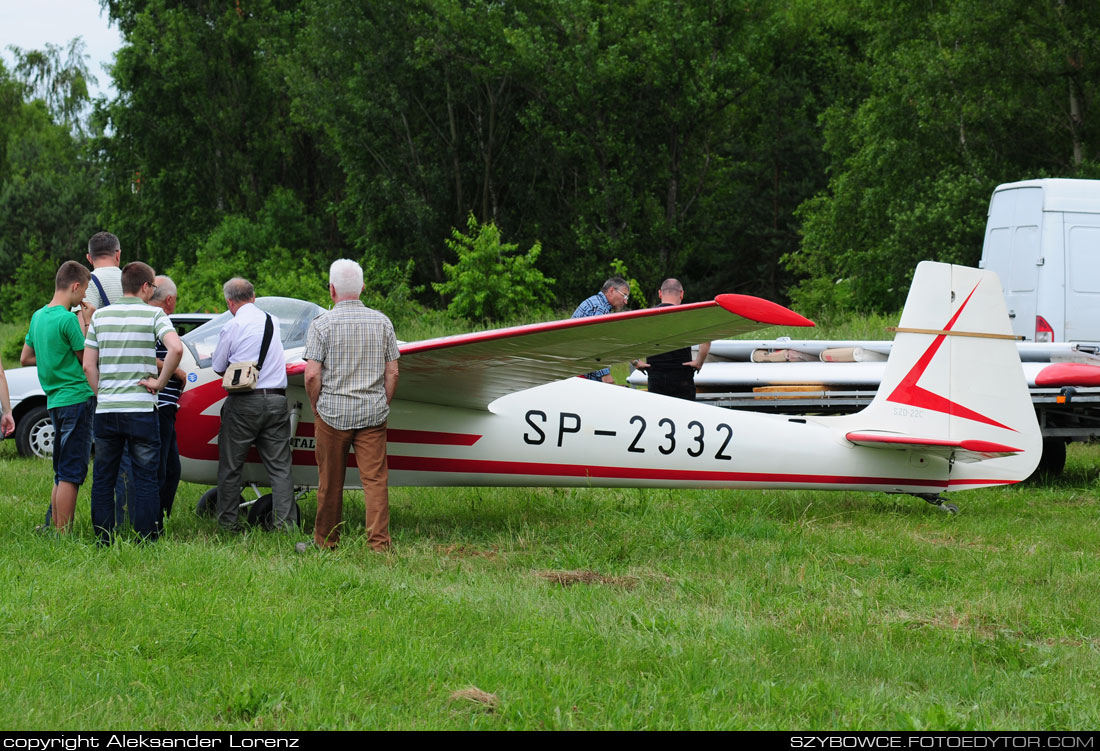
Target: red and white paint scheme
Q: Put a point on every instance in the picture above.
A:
(505, 408)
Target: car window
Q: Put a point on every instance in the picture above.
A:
(294, 317)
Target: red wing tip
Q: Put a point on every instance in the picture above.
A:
(761, 310)
(1068, 374)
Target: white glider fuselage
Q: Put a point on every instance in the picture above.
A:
(952, 411)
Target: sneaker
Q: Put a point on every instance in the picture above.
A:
(305, 547)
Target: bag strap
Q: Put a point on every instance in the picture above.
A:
(269, 331)
(102, 292)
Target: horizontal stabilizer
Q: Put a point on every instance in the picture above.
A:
(961, 451)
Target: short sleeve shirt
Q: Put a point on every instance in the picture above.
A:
(352, 343)
(54, 335)
(125, 333)
(597, 305)
(111, 279)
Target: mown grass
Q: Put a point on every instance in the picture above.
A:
(700, 609)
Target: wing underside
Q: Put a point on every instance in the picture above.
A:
(473, 370)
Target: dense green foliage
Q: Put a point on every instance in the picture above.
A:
(491, 279)
(779, 147)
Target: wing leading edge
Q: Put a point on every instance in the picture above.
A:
(473, 370)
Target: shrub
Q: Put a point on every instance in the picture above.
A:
(491, 280)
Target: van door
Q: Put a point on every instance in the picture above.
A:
(1012, 250)
(1082, 237)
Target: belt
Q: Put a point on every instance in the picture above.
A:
(278, 392)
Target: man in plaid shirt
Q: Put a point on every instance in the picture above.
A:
(351, 376)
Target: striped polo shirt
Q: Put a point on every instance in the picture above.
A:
(125, 333)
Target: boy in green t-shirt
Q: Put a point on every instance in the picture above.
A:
(55, 344)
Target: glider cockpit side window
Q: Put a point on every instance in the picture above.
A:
(294, 317)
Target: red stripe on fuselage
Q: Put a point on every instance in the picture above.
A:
(398, 435)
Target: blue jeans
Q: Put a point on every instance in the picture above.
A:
(137, 436)
(72, 441)
(124, 487)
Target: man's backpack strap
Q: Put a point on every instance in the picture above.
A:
(269, 331)
(102, 292)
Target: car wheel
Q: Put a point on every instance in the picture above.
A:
(34, 433)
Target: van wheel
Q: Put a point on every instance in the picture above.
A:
(261, 513)
(34, 433)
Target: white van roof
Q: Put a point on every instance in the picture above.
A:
(1062, 194)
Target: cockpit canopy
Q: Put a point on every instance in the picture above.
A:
(294, 317)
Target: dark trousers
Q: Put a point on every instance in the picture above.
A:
(680, 386)
(168, 471)
(136, 435)
(263, 420)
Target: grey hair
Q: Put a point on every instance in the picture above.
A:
(165, 288)
(617, 282)
(239, 290)
(346, 277)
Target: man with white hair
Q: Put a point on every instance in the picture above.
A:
(351, 376)
(168, 472)
(259, 416)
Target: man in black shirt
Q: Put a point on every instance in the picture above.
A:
(168, 473)
(673, 373)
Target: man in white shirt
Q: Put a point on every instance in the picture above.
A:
(259, 417)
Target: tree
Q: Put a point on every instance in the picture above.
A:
(491, 280)
(962, 96)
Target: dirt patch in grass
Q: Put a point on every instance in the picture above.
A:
(569, 578)
(465, 551)
(474, 695)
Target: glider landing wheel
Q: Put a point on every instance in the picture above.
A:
(261, 513)
(206, 504)
(939, 501)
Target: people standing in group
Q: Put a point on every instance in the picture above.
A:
(168, 470)
(673, 373)
(121, 365)
(55, 345)
(351, 377)
(257, 417)
(613, 296)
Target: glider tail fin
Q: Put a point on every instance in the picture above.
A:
(954, 381)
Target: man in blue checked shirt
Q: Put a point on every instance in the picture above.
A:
(611, 297)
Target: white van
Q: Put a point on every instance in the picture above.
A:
(1043, 240)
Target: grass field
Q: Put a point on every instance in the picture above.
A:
(567, 609)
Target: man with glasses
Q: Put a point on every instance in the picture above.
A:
(613, 296)
(120, 361)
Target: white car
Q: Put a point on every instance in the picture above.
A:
(33, 430)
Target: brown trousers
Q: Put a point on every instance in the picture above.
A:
(370, 455)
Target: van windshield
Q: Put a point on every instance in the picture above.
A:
(294, 317)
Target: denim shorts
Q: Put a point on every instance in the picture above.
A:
(72, 441)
